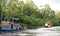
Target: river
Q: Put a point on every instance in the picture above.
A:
(53, 31)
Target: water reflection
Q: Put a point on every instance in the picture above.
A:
(16, 34)
(34, 32)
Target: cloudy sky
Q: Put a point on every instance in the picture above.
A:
(54, 4)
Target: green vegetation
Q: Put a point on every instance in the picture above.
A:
(28, 13)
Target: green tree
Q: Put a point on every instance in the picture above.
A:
(0, 10)
(28, 13)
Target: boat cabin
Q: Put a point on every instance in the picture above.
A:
(10, 24)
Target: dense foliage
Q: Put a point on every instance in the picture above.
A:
(28, 13)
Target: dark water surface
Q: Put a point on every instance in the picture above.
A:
(34, 32)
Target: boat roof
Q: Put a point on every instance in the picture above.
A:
(13, 18)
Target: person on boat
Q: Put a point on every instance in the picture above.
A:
(5, 22)
(47, 24)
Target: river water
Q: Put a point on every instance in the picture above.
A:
(53, 31)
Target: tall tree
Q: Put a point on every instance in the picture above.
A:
(0, 10)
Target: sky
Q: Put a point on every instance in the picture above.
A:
(54, 4)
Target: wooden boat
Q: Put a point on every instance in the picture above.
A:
(11, 24)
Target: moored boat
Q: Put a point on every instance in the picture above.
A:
(11, 24)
